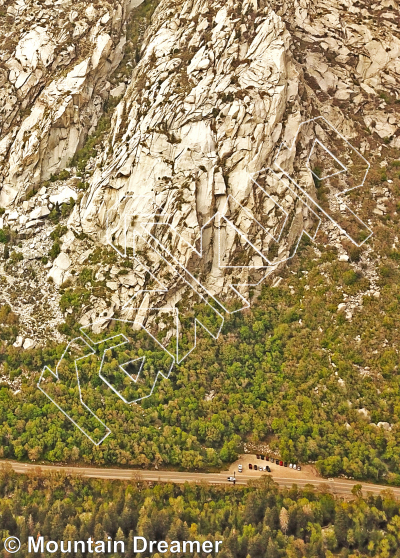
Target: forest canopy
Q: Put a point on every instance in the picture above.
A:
(253, 522)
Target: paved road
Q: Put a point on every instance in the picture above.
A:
(336, 486)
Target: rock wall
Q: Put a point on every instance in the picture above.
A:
(54, 64)
(217, 89)
(214, 94)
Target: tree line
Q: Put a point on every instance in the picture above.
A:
(253, 522)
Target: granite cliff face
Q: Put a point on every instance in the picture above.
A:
(204, 109)
(215, 93)
(55, 60)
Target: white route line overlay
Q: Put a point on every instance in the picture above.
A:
(219, 216)
(344, 169)
(56, 375)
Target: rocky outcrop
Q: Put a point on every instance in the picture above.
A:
(218, 94)
(207, 106)
(54, 64)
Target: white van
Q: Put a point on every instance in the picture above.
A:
(240, 468)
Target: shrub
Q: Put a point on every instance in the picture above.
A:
(85, 276)
(55, 250)
(73, 298)
(386, 271)
(4, 236)
(64, 175)
(30, 194)
(7, 317)
(67, 208)
(317, 171)
(58, 232)
(16, 257)
(355, 253)
(55, 214)
(350, 277)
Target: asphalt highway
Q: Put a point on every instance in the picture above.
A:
(336, 486)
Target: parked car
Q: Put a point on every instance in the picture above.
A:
(294, 466)
(271, 459)
(284, 464)
(298, 468)
(268, 469)
(281, 463)
(240, 468)
(250, 466)
(258, 457)
(290, 465)
(255, 467)
(277, 461)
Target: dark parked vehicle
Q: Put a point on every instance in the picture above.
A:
(268, 469)
(250, 466)
(284, 464)
(263, 457)
(258, 457)
(255, 467)
(277, 461)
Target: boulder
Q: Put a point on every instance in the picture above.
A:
(7, 195)
(39, 212)
(19, 342)
(63, 196)
(384, 425)
(28, 344)
(118, 91)
(62, 261)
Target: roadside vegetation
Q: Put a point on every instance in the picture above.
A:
(253, 522)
